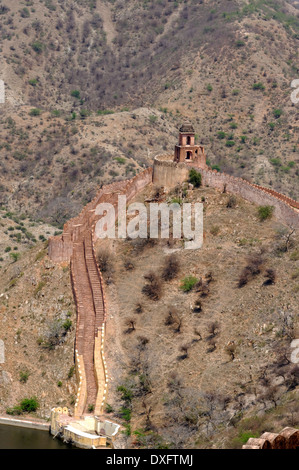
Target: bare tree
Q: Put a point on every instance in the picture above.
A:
(230, 349)
(171, 268)
(282, 353)
(270, 276)
(213, 328)
(212, 345)
(131, 325)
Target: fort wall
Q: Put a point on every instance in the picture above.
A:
(76, 244)
(168, 174)
(61, 247)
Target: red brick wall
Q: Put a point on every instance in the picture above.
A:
(61, 247)
(285, 208)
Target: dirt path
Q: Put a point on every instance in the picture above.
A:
(173, 17)
(108, 24)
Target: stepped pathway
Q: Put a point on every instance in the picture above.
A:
(75, 245)
(91, 314)
(90, 309)
(86, 318)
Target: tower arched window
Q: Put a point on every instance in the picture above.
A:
(188, 140)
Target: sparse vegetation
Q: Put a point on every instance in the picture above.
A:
(188, 283)
(195, 178)
(265, 212)
(171, 268)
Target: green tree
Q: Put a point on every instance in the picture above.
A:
(195, 178)
(265, 212)
(29, 405)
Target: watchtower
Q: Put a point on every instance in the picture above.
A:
(187, 151)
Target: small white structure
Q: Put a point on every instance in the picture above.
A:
(2, 92)
(2, 352)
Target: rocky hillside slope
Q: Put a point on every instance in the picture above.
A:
(198, 352)
(198, 342)
(227, 66)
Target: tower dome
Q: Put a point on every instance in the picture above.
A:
(187, 151)
(187, 128)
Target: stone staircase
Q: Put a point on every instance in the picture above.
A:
(75, 245)
(90, 315)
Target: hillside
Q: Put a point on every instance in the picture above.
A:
(204, 367)
(95, 89)
(226, 66)
(37, 327)
(183, 366)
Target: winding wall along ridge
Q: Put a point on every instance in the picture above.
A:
(168, 173)
(76, 245)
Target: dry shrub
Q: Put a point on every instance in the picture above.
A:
(203, 288)
(173, 319)
(231, 202)
(185, 351)
(213, 329)
(140, 244)
(129, 265)
(270, 276)
(105, 261)
(131, 325)
(142, 342)
(170, 268)
(252, 269)
(139, 308)
(197, 306)
(153, 288)
(209, 277)
(212, 345)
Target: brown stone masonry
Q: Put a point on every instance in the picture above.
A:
(168, 173)
(76, 245)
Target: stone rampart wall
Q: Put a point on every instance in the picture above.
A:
(168, 174)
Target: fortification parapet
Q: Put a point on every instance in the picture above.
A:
(168, 174)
